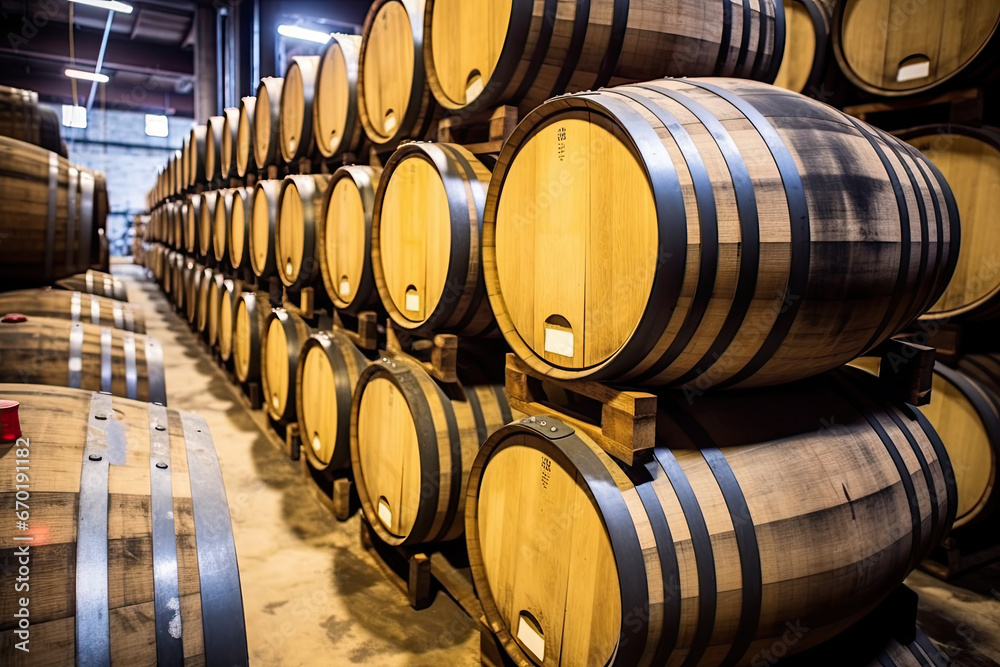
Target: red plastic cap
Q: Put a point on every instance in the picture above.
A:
(14, 318)
(10, 424)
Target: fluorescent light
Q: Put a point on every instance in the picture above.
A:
(110, 5)
(89, 76)
(73, 116)
(298, 32)
(157, 126)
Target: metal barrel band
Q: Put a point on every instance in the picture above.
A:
(107, 340)
(166, 588)
(50, 225)
(131, 374)
(76, 334)
(75, 306)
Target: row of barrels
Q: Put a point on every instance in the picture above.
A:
(579, 560)
(721, 244)
(415, 57)
(54, 214)
(22, 118)
(889, 48)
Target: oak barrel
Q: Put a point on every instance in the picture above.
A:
(95, 282)
(220, 227)
(204, 292)
(894, 47)
(328, 370)
(709, 233)
(197, 145)
(75, 307)
(297, 99)
(213, 147)
(395, 102)
(300, 212)
(969, 158)
(522, 52)
(426, 240)
(413, 442)
(23, 119)
(133, 560)
(262, 223)
(230, 129)
(193, 291)
(239, 228)
(231, 291)
(44, 350)
(192, 216)
(245, 161)
(249, 326)
(49, 213)
(807, 45)
(810, 501)
(336, 124)
(177, 187)
(343, 238)
(285, 334)
(215, 289)
(206, 223)
(267, 122)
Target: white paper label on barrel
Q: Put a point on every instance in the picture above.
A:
(384, 513)
(345, 287)
(558, 341)
(413, 302)
(914, 71)
(533, 641)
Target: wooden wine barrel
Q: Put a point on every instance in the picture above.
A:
(969, 158)
(267, 122)
(336, 125)
(285, 334)
(680, 282)
(426, 240)
(192, 214)
(177, 287)
(965, 410)
(752, 516)
(394, 101)
(204, 290)
(412, 445)
(249, 326)
(95, 282)
(75, 307)
(213, 147)
(206, 223)
(197, 145)
(343, 238)
(328, 370)
(177, 187)
(297, 98)
(239, 228)
(47, 205)
(300, 212)
(230, 139)
(893, 48)
(216, 286)
(186, 163)
(265, 216)
(231, 291)
(807, 45)
(245, 160)
(45, 350)
(220, 227)
(522, 52)
(23, 119)
(193, 290)
(133, 560)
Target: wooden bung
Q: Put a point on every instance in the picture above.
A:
(328, 370)
(61, 353)
(343, 238)
(969, 158)
(395, 102)
(413, 442)
(336, 124)
(482, 55)
(810, 501)
(132, 557)
(426, 240)
(709, 233)
(300, 211)
(893, 48)
(297, 100)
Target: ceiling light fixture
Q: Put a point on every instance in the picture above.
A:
(87, 76)
(110, 5)
(298, 32)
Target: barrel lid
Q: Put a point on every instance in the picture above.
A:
(14, 318)
(10, 424)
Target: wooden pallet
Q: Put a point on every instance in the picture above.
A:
(480, 133)
(418, 570)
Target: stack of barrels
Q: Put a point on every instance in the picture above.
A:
(682, 236)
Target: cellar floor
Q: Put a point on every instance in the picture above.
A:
(314, 596)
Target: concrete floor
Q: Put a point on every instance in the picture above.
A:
(313, 596)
